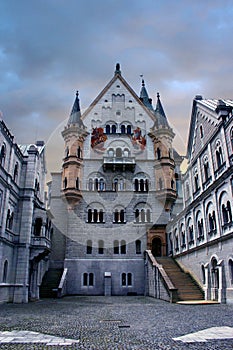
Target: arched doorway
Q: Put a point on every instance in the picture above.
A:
(214, 279)
(157, 246)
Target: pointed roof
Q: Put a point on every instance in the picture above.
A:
(144, 97)
(75, 115)
(118, 75)
(159, 113)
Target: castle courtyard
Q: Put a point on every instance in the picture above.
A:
(132, 322)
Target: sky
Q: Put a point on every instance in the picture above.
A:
(51, 48)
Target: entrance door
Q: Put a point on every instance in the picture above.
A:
(157, 247)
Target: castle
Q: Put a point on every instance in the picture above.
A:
(120, 201)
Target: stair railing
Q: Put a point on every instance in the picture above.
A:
(159, 284)
(61, 291)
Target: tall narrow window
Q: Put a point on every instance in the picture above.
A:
(5, 271)
(65, 182)
(101, 247)
(201, 131)
(3, 155)
(138, 246)
(16, 169)
(85, 279)
(113, 129)
(38, 226)
(79, 152)
(129, 129)
(219, 154)
(89, 247)
(107, 129)
(129, 278)
(123, 279)
(123, 129)
(123, 247)
(116, 247)
(91, 279)
(77, 183)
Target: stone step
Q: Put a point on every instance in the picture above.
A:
(50, 283)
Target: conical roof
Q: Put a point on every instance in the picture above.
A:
(144, 97)
(159, 113)
(75, 115)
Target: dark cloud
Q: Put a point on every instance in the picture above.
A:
(48, 49)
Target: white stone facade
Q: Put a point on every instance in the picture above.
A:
(24, 227)
(201, 236)
(113, 193)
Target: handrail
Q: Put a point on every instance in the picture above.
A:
(171, 289)
(62, 285)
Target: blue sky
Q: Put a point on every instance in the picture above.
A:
(51, 48)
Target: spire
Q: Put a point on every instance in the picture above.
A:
(118, 69)
(160, 114)
(144, 97)
(75, 115)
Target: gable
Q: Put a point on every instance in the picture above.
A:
(203, 124)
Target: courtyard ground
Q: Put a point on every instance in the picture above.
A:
(131, 323)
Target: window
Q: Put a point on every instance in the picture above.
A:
(67, 152)
(206, 169)
(79, 152)
(77, 183)
(226, 213)
(5, 272)
(101, 247)
(201, 131)
(200, 229)
(113, 129)
(196, 180)
(129, 129)
(90, 185)
(123, 247)
(219, 154)
(95, 216)
(119, 216)
(107, 129)
(89, 247)
(212, 221)
(3, 155)
(126, 279)
(138, 246)
(65, 183)
(38, 226)
(203, 274)
(231, 270)
(123, 129)
(116, 247)
(142, 215)
(141, 185)
(158, 151)
(88, 279)
(16, 169)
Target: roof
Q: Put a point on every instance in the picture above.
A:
(75, 115)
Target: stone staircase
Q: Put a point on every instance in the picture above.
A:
(50, 283)
(187, 287)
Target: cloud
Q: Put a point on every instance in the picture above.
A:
(49, 49)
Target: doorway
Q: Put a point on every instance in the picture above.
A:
(157, 247)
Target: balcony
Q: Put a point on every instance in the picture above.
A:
(72, 195)
(164, 161)
(119, 163)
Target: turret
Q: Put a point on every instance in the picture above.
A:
(162, 136)
(74, 135)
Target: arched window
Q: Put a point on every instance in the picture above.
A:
(138, 246)
(123, 247)
(219, 154)
(137, 215)
(5, 272)
(206, 169)
(38, 226)
(107, 129)
(196, 180)
(16, 170)
(101, 247)
(85, 279)
(113, 129)
(129, 277)
(3, 155)
(8, 218)
(101, 185)
(89, 215)
(123, 129)
(136, 185)
(141, 185)
(226, 213)
(129, 129)
(96, 184)
(122, 216)
(203, 274)
(143, 215)
(89, 247)
(116, 247)
(101, 216)
(67, 151)
(212, 221)
(91, 279)
(77, 183)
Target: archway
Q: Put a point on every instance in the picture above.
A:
(157, 247)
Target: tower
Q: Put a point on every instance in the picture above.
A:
(74, 135)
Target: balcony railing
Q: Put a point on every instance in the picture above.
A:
(119, 163)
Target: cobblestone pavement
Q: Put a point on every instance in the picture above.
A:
(124, 323)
